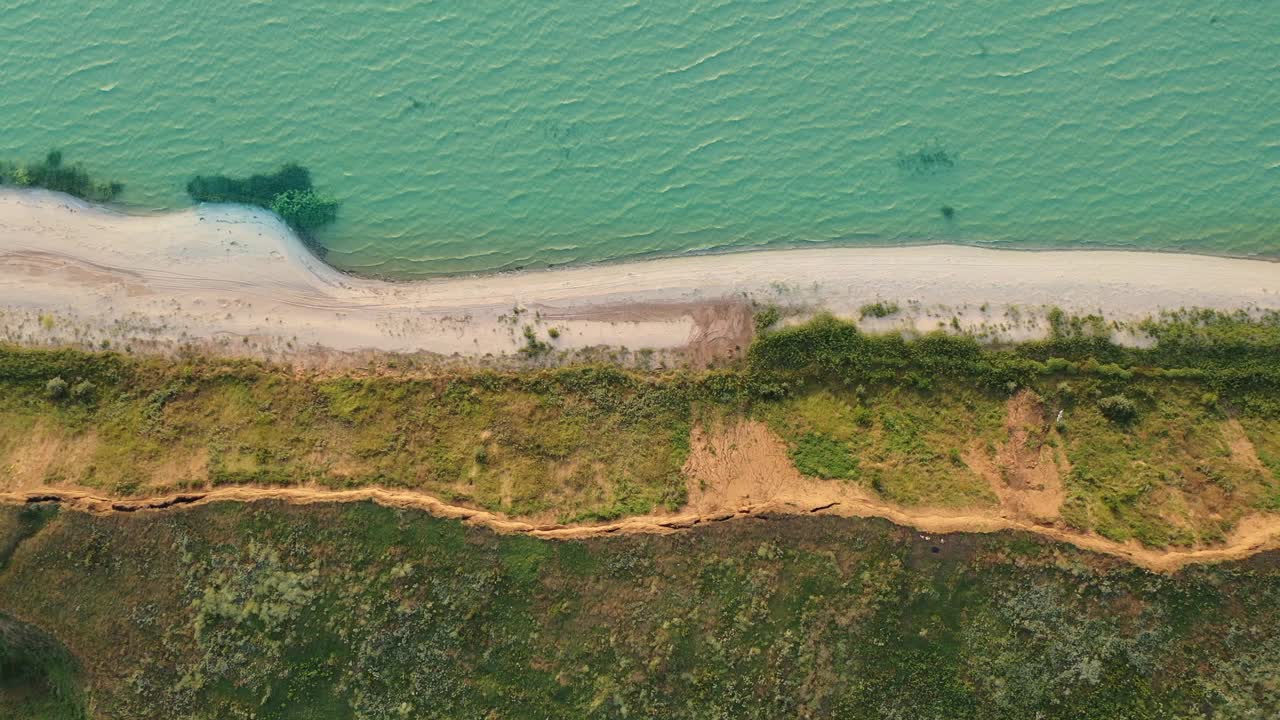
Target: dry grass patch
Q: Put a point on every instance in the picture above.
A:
(46, 455)
(503, 442)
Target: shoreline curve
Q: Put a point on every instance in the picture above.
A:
(235, 280)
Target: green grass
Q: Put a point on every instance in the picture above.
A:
(821, 456)
(1168, 477)
(1265, 436)
(902, 443)
(38, 678)
(363, 611)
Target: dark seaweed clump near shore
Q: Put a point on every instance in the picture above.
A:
(287, 192)
(53, 174)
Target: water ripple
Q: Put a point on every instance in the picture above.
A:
(479, 135)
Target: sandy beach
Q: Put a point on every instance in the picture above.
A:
(235, 279)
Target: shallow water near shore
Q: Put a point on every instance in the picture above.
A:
(478, 136)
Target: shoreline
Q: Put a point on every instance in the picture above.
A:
(131, 211)
(817, 245)
(235, 280)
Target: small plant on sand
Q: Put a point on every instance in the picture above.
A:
(878, 309)
(766, 317)
(533, 347)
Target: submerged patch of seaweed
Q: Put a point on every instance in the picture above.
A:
(928, 160)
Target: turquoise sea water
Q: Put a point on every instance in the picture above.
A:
(476, 135)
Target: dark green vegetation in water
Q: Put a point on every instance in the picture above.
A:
(53, 174)
(287, 192)
(928, 160)
(360, 611)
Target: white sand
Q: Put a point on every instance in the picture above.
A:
(217, 275)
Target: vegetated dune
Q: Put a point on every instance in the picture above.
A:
(735, 471)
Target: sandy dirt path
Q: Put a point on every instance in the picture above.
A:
(1254, 535)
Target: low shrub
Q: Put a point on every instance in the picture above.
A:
(766, 317)
(56, 388)
(1118, 408)
(305, 210)
(878, 309)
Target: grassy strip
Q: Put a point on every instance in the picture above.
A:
(358, 611)
(587, 443)
(1169, 445)
(1234, 355)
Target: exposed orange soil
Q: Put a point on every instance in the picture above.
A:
(1242, 449)
(740, 470)
(1027, 471)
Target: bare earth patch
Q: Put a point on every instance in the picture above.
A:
(1025, 474)
(1242, 450)
(721, 331)
(742, 463)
